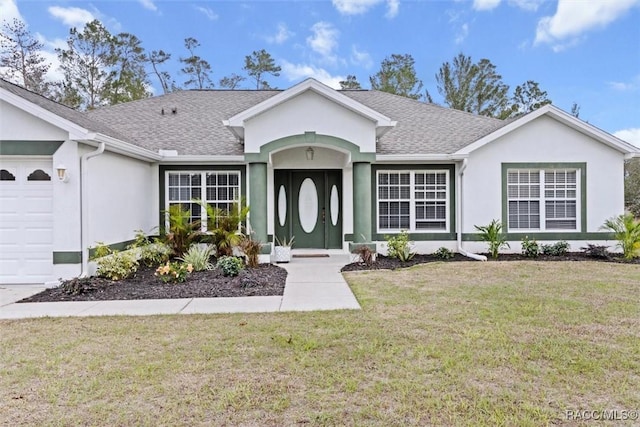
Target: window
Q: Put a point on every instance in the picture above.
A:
(542, 199)
(38, 175)
(217, 189)
(413, 200)
(5, 175)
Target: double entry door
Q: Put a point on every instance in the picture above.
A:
(308, 205)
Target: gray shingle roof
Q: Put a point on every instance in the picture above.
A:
(79, 118)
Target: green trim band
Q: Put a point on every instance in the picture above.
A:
(582, 167)
(348, 237)
(29, 148)
(265, 249)
(119, 246)
(70, 257)
(307, 139)
(542, 236)
(419, 237)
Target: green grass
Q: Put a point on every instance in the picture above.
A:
(500, 343)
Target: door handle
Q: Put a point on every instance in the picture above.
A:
(323, 215)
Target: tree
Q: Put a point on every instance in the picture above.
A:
(259, 63)
(473, 87)
(398, 75)
(86, 64)
(231, 82)
(350, 83)
(196, 68)
(157, 58)
(526, 98)
(632, 186)
(128, 80)
(21, 58)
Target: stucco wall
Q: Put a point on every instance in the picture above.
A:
(309, 112)
(121, 198)
(18, 125)
(546, 141)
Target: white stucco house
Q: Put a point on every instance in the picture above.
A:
(333, 168)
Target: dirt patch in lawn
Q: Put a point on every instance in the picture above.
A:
(385, 263)
(264, 280)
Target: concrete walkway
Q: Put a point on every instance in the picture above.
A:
(312, 284)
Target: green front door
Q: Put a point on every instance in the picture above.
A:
(308, 206)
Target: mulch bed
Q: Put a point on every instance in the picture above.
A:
(386, 263)
(264, 280)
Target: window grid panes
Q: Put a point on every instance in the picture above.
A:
(413, 200)
(217, 189)
(533, 195)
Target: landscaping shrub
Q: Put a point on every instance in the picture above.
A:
(117, 265)
(596, 251)
(174, 272)
(366, 254)
(557, 249)
(101, 250)
(182, 232)
(198, 257)
(492, 234)
(251, 248)
(530, 248)
(399, 247)
(443, 253)
(224, 226)
(230, 266)
(626, 230)
(153, 254)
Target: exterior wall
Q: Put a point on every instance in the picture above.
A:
(120, 198)
(542, 141)
(19, 125)
(309, 112)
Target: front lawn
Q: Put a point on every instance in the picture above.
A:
(500, 343)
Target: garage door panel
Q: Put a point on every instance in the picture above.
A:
(26, 225)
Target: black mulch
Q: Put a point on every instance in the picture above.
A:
(265, 280)
(386, 263)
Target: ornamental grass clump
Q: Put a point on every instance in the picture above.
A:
(251, 248)
(198, 256)
(174, 272)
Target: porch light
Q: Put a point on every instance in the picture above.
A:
(309, 153)
(62, 173)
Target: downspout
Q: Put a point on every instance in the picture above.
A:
(84, 207)
(459, 215)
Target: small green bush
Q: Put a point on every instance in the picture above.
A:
(443, 253)
(199, 256)
(101, 250)
(230, 266)
(557, 249)
(492, 234)
(174, 272)
(117, 266)
(153, 254)
(596, 251)
(530, 247)
(398, 246)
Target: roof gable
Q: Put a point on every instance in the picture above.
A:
(560, 116)
(236, 123)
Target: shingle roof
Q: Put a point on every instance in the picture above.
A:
(196, 128)
(79, 118)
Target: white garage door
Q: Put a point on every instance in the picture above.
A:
(26, 221)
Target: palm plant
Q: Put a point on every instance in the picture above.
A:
(492, 234)
(182, 231)
(225, 226)
(626, 230)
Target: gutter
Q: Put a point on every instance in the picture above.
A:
(459, 215)
(84, 208)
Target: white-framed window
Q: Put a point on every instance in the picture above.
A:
(543, 199)
(219, 189)
(416, 201)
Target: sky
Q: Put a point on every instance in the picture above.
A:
(582, 51)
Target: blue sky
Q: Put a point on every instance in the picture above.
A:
(585, 51)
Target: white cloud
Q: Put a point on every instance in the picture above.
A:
(358, 7)
(9, 10)
(324, 40)
(148, 4)
(282, 35)
(49, 53)
(462, 34)
(208, 12)
(528, 5)
(631, 135)
(629, 86)
(296, 72)
(71, 16)
(573, 18)
(485, 4)
(361, 58)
